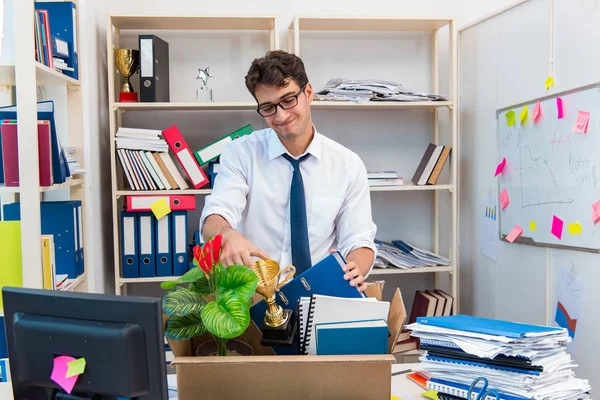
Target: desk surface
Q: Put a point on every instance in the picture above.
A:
(402, 387)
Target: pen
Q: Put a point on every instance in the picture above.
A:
(401, 372)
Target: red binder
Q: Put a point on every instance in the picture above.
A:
(175, 202)
(185, 157)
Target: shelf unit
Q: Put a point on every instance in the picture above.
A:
(156, 24)
(390, 24)
(25, 74)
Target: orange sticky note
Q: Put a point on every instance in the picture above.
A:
(500, 167)
(559, 107)
(515, 233)
(510, 118)
(524, 114)
(582, 121)
(160, 208)
(504, 199)
(557, 227)
(537, 111)
(596, 211)
(549, 82)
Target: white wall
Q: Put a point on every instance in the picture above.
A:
(393, 212)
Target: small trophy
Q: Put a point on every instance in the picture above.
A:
(127, 62)
(278, 327)
(203, 93)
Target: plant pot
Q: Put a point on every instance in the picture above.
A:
(234, 348)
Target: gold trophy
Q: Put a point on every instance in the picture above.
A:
(278, 327)
(127, 62)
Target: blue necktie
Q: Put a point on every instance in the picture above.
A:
(299, 228)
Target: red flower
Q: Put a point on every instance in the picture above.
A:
(216, 248)
(207, 257)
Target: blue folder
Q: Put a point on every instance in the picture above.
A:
(130, 259)
(147, 244)
(352, 337)
(326, 278)
(179, 243)
(163, 249)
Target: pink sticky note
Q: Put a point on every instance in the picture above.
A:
(500, 167)
(59, 373)
(581, 123)
(559, 107)
(537, 111)
(595, 211)
(557, 227)
(515, 233)
(504, 200)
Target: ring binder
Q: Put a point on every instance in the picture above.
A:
(309, 324)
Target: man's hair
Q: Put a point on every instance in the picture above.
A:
(276, 68)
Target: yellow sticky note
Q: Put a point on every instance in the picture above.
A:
(11, 272)
(76, 367)
(510, 118)
(532, 226)
(549, 82)
(524, 115)
(160, 208)
(431, 394)
(395, 398)
(575, 228)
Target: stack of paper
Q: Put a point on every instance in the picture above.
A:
(370, 89)
(400, 254)
(519, 361)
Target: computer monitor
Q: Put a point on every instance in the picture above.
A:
(120, 337)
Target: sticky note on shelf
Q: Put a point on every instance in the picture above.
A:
(431, 394)
(504, 199)
(76, 367)
(559, 107)
(524, 114)
(59, 373)
(575, 228)
(510, 118)
(596, 211)
(557, 227)
(515, 233)
(582, 121)
(160, 208)
(500, 167)
(537, 111)
(532, 226)
(549, 82)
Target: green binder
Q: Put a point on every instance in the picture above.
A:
(214, 150)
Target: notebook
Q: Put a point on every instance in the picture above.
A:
(460, 390)
(355, 337)
(324, 309)
(303, 307)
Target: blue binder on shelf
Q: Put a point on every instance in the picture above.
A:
(179, 244)
(164, 262)
(58, 218)
(130, 260)
(147, 244)
(63, 19)
(326, 278)
(60, 167)
(81, 268)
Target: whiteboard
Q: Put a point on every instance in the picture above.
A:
(551, 170)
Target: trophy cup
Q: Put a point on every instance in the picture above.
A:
(203, 93)
(127, 62)
(278, 327)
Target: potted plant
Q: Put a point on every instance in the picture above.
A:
(210, 297)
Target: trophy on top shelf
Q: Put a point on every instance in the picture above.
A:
(204, 93)
(127, 62)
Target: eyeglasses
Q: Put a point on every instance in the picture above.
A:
(289, 102)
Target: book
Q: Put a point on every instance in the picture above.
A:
(352, 337)
(439, 166)
(382, 174)
(424, 305)
(427, 164)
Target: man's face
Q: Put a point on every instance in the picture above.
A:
(291, 123)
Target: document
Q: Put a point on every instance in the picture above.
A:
(569, 304)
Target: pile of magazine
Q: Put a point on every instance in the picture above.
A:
(370, 90)
(400, 254)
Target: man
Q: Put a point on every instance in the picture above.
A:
(293, 193)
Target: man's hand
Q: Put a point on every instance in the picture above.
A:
(237, 250)
(353, 274)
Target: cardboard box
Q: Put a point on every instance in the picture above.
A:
(267, 376)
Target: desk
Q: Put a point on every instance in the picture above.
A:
(402, 387)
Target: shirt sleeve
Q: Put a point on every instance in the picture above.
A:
(354, 223)
(228, 197)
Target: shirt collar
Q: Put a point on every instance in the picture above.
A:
(276, 148)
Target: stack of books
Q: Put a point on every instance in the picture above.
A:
(371, 90)
(400, 254)
(519, 361)
(74, 166)
(384, 178)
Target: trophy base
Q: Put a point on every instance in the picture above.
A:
(204, 94)
(128, 97)
(281, 336)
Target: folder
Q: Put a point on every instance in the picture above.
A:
(352, 337)
(154, 69)
(184, 155)
(11, 272)
(179, 242)
(175, 202)
(147, 238)
(214, 150)
(129, 245)
(80, 233)
(164, 262)
(213, 170)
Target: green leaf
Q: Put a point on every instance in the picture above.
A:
(191, 276)
(238, 278)
(228, 317)
(182, 301)
(186, 327)
(201, 286)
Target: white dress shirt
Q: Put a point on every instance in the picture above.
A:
(252, 193)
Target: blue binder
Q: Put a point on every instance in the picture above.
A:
(353, 337)
(179, 244)
(62, 16)
(81, 268)
(164, 263)
(130, 260)
(326, 278)
(147, 244)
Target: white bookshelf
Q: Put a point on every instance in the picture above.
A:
(26, 74)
